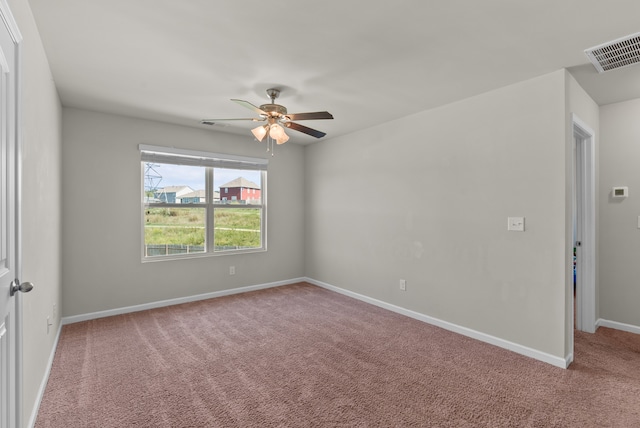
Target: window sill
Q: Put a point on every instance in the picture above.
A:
(201, 255)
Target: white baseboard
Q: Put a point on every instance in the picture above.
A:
(520, 349)
(176, 301)
(618, 326)
(45, 379)
(569, 359)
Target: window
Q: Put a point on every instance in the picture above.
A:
(182, 212)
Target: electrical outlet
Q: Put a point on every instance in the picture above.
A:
(515, 224)
(403, 285)
(49, 324)
(232, 270)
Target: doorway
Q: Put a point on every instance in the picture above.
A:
(584, 236)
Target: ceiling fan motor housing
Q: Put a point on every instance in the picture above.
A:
(274, 109)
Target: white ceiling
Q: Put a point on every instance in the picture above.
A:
(365, 61)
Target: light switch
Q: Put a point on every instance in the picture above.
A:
(515, 224)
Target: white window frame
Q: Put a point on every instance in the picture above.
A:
(211, 161)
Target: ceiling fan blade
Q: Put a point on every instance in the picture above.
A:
(310, 116)
(213, 121)
(250, 106)
(304, 129)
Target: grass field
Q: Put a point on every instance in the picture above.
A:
(233, 227)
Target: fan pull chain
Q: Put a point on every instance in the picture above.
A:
(270, 145)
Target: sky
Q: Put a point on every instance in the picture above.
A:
(164, 175)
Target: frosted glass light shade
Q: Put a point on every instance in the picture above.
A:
(276, 132)
(259, 132)
(282, 139)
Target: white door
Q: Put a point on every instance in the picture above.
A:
(9, 263)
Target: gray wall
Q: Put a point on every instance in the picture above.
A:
(41, 195)
(102, 224)
(619, 233)
(426, 198)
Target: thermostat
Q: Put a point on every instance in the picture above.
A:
(620, 192)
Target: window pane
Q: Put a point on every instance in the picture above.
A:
(237, 228)
(173, 184)
(237, 186)
(174, 231)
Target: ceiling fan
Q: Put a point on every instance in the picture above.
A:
(276, 118)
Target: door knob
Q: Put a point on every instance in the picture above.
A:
(15, 286)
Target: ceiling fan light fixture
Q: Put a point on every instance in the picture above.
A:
(260, 132)
(277, 118)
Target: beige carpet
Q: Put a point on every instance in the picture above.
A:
(302, 356)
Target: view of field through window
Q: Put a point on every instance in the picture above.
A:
(176, 209)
